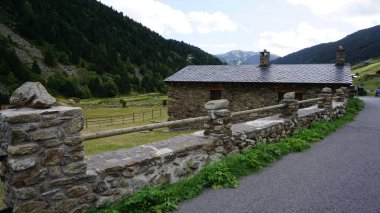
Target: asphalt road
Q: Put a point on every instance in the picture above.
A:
(338, 174)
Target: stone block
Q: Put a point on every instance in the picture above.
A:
(18, 135)
(52, 156)
(71, 141)
(30, 206)
(65, 205)
(51, 143)
(22, 164)
(23, 118)
(76, 191)
(217, 104)
(74, 125)
(44, 134)
(62, 182)
(24, 193)
(75, 168)
(26, 149)
(88, 198)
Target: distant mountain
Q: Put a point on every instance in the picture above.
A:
(237, 57)
(359, 46)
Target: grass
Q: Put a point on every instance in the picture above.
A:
(97, 146)
(367, 68)
(227, 171)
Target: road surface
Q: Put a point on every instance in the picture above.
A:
(339, 174)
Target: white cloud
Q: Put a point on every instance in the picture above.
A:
(217, 48)
(288, 41)
(166, 20)
(211, 22)
(359, 13)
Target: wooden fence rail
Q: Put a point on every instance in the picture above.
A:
(123, 119)
(108, 133)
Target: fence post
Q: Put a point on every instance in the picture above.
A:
(111, 121)
(160, 113)
(291, 108)
(152, 113)
(123, 119)
(143, 115)
(326, 103)
(86, 123)
(133, 117)
(220, 123)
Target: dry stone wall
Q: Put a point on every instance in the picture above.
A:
(46, 171)
(186, 100)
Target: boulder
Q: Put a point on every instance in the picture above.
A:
(289, 95)
(217, 104)
(33, 95)
(326, 90)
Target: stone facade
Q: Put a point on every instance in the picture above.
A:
(186, 100)
(45, 170)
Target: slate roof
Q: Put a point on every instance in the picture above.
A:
(275, 73)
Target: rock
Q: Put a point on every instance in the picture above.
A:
(72, 141)
(289, 95)
(33, 95)
(217, 104)
(88, 198)
(75, 125)
(31, 206)
(164, 179)
(65, 205)
(24, 193)
(62, 182)
(326, 90)
(222, 112)
(76, 191)
(44, 134)
(75, 168)
(23, 149)
(23, 118)
(53, 156)
(22, 164)
(18, 135)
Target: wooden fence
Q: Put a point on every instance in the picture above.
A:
(123, 119)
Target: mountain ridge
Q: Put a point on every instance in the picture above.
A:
(240, 57)
(360, 46)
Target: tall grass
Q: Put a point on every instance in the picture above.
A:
(227, 171)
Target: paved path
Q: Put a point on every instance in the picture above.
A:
(338, 174)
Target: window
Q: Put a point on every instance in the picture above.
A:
(215, 94)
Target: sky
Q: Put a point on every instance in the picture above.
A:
(280, 26)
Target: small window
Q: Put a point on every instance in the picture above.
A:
(215, 94)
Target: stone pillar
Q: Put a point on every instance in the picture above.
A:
(291, 108)
(326, 103)
(341, 95)
(45, 169)
(346, 91)
(220, 123)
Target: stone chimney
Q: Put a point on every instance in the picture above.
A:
(340, 56)
(264, 58)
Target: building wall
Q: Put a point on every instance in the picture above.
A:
(186, 100)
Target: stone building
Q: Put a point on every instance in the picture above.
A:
(251, 86)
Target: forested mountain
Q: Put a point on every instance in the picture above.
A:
(113, 53)
(238, 57)
(359, 46)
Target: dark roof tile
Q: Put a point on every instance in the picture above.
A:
(275, 73)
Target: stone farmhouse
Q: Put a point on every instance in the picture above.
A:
(251, 86)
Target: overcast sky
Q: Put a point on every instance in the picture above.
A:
(280, 26)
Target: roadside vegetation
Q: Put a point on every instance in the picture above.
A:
(369, 74)
(226, 172)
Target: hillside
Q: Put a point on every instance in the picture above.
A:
(238, 57)
(369, 74)
(360, 46)
(106, 52)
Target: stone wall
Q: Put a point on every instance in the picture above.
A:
(186, 100)
(46, 171)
